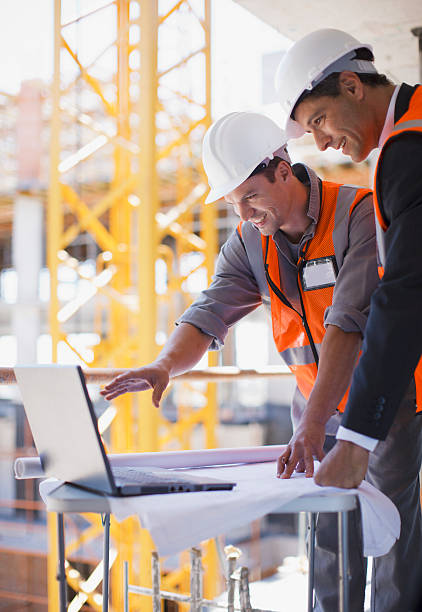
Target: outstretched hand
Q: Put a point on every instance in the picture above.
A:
(149, 377)
(305, 444)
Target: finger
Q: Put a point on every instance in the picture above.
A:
(300, 467)
(320, 454)
(281, 462)
(113, 387)
(328, 480)
(120, 390)
(319, 480)
(309, 463)
(131, 385)
(157, 393)
(108, 395)
(126, 388)
(290, 465)
(119, 379)
(111, 395)
(131, 376)
(280, 465)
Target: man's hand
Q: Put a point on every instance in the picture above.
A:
(344, 466)
(182, 351)
(305, 444)
(154, 377)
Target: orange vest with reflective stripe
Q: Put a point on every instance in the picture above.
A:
(410, 121)
(289, 331)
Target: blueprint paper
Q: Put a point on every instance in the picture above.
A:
(181, 520)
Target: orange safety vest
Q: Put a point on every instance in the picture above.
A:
(411, 121)
(298, 336)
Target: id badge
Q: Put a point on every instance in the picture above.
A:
(319, 273)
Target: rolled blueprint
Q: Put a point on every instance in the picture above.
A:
(199, 458)
(30, 467)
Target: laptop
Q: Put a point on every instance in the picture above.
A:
(65, 431)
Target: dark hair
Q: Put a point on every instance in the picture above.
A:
(269, 169)
(330, 85)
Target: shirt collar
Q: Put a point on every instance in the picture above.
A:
(314, 205)
(308, 177)
(389, 119)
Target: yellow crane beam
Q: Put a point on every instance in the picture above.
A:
(148, 140)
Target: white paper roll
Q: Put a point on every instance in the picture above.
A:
(199, 458)
(30, 467)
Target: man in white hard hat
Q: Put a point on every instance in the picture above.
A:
(328, 86)
(305, 249)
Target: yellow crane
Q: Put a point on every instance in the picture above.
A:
(127, 120)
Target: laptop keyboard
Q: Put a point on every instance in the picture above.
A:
(141, 476)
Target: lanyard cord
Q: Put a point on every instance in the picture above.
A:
(287, 303)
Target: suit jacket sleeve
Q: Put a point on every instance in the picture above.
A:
(393, 337)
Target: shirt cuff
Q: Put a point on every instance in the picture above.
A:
(348, 319)
(208, 323)
(353, 436)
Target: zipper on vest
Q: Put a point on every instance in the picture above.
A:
(304, 319)
(300, 265)
(287, 303)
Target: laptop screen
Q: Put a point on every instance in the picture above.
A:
(65, 432)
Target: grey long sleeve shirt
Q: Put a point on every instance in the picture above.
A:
(235, 291)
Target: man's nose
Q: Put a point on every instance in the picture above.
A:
(245, 211)
(322, 141)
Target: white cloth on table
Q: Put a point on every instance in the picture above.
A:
(181, 520)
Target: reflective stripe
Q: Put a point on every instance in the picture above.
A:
(252, 240)
(408, 125)
(344, 208)
(299, 355)
(414, 110)
(380, 241)
(345, 199)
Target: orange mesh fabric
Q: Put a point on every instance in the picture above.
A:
(288, 328)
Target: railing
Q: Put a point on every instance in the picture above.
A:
(214, 374)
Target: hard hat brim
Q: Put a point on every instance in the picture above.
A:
(217, 194)
(310, 60)
(293, 129)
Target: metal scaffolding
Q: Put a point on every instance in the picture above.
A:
(126, 188)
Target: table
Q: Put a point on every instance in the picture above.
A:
(69, 498)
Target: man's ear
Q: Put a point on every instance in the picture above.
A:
(350, 84)
(283, 170)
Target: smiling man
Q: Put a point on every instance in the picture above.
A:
(328, 86)
(305, 249)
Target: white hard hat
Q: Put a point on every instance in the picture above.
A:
(235, 145)
(309, 61)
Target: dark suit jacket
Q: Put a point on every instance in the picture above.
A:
(393, 336)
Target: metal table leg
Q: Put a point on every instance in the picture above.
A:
(126, 586)
(312, 521)
(343, 560)
(106, 560)
(156, 582)
(62, 571)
